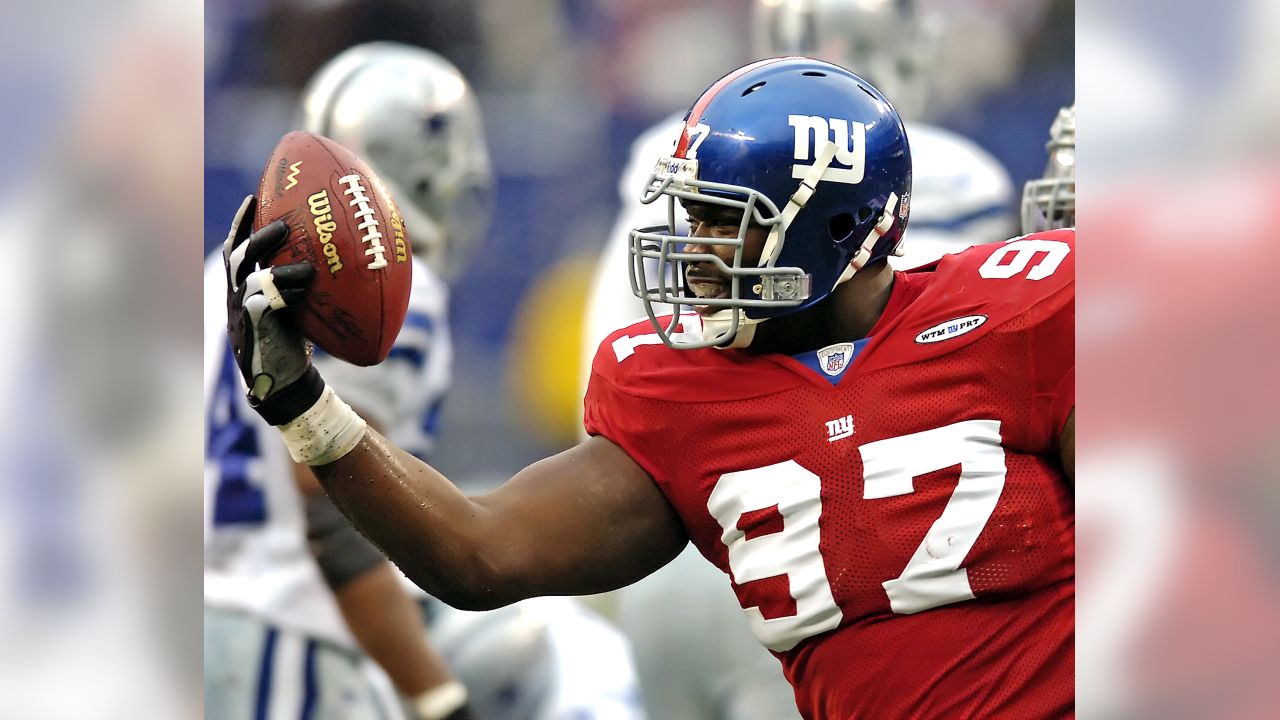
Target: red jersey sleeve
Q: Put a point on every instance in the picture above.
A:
(1025, 291)
(614, 414)
(1053, 365)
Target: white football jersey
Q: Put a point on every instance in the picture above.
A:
(960, 196)
(256, 555)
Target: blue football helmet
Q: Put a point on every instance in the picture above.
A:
(801, 147)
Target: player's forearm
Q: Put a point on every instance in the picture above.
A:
(445, 542)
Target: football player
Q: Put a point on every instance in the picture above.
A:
(275, 638)
(1049, 202)
(415, 118)
(881, 461)
(960, 196)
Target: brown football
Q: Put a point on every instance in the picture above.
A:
(343, 222)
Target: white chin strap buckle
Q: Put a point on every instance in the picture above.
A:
(719, 324)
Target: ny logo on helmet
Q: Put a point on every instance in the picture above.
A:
(850, 139)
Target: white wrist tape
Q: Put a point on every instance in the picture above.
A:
(325, 432)
(441, 701)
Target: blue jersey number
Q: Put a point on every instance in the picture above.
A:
(231, 449)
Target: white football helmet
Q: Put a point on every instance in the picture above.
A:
(885, 41)
(503, 656)
(1050, 201)
(412, 116)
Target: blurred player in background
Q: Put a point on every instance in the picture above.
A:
(1124, 500)
(1049, 202)
(412, 115)
(960, 196)
(547, 658)
(277, 559)
(881, 461)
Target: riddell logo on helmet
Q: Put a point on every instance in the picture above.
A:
(850, 139)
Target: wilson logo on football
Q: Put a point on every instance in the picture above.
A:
(951, 329)
(365, 214)
(397, 229)
(322, 217)
(850, 139)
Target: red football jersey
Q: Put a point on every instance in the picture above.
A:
(902, 537)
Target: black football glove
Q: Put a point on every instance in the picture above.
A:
(274, 358)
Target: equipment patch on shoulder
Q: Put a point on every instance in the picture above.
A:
(951, 328)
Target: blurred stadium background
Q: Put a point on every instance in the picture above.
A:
(109, 162)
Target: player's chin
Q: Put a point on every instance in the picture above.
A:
(708, 289)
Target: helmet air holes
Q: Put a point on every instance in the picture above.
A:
(754, 88)
(840, 227)
(813, 73)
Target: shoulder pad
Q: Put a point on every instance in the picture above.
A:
(998, 287)
(636, 362)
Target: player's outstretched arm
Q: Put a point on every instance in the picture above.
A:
(587, 520)
(584, 521)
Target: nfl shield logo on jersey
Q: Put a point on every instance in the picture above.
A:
(833, 359)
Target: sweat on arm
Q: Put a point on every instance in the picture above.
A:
(585, 521)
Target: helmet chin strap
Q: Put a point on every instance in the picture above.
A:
(863, 253)
(723, 321)
(808, 185)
